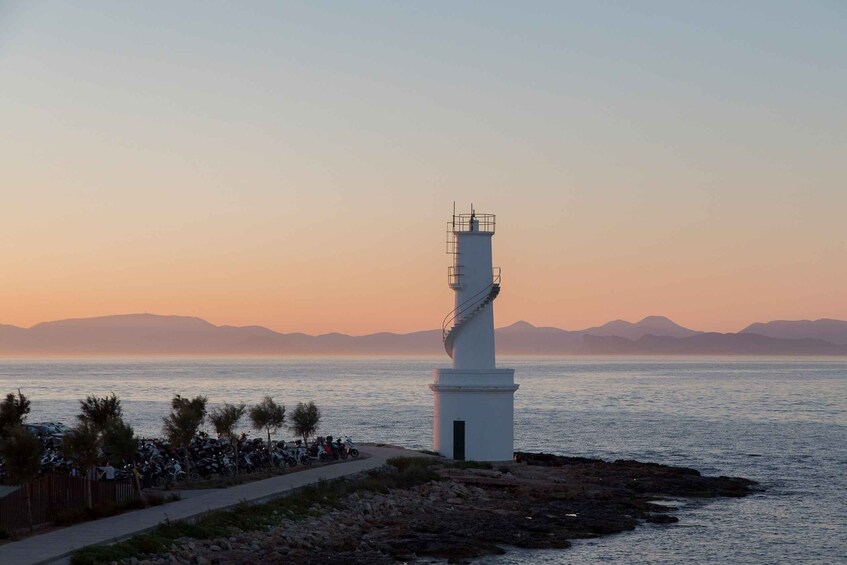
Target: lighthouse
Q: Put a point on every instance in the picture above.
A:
(473, 401)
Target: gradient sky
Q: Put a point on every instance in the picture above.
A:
(293, 164)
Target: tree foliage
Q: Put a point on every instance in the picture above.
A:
(99, 412)
(82, 445)
(119, 440)
(224, 420)
(13, 410)
(22, 453)
(305, 419)
(268, 416)
(185, 419)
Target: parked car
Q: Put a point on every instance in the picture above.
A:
(57, 428)
(38, 430)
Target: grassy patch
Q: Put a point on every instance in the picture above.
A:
(411, 471)
(221, 481)
(156, 499)
(154, 542)
(423, 461)
(405, 463)
(77, 515)
(468, 465)
(72, 516)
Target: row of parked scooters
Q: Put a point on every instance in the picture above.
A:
(161, 464)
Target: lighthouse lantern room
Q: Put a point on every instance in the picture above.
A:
(473, 402)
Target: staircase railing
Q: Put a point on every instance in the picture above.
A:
(460, 315)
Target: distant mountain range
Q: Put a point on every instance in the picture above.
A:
(148, 334)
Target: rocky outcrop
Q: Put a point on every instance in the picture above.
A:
(543, 502)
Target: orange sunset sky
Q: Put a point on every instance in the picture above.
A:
(294, 165)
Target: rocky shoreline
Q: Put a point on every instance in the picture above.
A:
(542, 501)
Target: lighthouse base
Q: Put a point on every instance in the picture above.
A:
(473, 414)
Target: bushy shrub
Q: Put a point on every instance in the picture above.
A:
(470, 465)
(404, 463)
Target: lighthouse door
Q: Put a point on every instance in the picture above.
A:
(458, 439)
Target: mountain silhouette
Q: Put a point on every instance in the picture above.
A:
(833, 331)
(150, 334)
(651, 325)
(710, 344)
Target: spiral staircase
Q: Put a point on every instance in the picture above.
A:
(464, 312)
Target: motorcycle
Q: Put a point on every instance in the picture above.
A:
(350, 447)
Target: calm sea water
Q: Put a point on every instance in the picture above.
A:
(780, 422)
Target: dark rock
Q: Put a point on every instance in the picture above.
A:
(661, 519)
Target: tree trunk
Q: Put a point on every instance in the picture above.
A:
(235, 447)
(187, 468)
(135, 476)
(270, 456)
(86, 489)
(28, 488)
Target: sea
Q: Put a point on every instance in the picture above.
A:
(779, 421)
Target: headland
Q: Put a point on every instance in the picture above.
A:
(421, 507)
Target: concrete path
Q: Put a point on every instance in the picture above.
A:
(55, 545)
(7, 489)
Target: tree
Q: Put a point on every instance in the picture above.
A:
(22, 452)
(268, 416)
(224, 420)
(305, 419)
(185, 419)
(13, 410)
(119, 441)
(82, 446)
(99, 411)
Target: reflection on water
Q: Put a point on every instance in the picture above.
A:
(782, 422)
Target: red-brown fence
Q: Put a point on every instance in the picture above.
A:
(53, 494)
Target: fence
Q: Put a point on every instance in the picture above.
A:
(54, 494)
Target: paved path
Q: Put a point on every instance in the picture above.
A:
(6, 489)
(55, 545)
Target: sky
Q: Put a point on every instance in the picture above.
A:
(294, 164)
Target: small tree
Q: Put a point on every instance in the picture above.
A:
(185, 419)
(119, 441)
(99, 412)
(22, 452)
(268, 416)
(13, 410)
(224, 420)
(305, 419)
(82, 446)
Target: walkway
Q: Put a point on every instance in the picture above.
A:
(55, 545)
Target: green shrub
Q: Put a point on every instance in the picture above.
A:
(71, 516)
(404, 463)
(156, 499)
(469, 465)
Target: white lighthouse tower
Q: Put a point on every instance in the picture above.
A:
(473, 402)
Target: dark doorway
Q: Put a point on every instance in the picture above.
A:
(458, 439)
